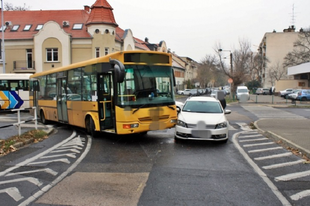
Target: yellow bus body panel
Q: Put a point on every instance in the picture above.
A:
(153, 118)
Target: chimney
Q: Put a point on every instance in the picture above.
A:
(146, 40)
(86, 8)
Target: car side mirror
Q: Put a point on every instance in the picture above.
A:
(178, 109)
(227, 111)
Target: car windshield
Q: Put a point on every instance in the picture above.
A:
(146, 85)
(202, 107)
(242, 90)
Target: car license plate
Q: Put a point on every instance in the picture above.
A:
(201, 133)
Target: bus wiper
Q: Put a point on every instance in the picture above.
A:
(171, 107)
(134, 111)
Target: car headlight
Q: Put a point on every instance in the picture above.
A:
(221, 125)
(181, 123)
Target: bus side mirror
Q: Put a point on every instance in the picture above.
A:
(119, 70)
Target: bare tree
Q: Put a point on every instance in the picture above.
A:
(301, 51)
(276, 72)
(11, 7)
(242, 64)
(206, 70)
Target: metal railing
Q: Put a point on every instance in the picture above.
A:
(19, 122)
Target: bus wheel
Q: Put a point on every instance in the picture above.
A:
(90, 126)
(42, 117)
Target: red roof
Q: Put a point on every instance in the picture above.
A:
(35, 18)
(101, 13)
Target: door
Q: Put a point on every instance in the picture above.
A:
(61, 99)
(106, 112)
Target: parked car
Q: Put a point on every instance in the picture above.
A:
(242, 92)
(285, 92)
(202, 118)
(180, 92)
(303, 95)
(259, 91)
(294, 94)
(190, 92)
(266, 91)
(213, 93)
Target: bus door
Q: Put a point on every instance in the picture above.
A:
(61, 98)
(105, 101)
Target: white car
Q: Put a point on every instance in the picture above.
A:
(180, 92)
(242, 93)
(202, 118)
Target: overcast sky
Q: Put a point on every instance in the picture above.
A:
(192, 28)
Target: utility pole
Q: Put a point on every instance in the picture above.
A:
(2, 44)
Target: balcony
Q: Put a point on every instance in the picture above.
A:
(24, 66)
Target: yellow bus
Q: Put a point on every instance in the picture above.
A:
(123, 93)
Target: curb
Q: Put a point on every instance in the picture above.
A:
(282, 141)
(29, 141)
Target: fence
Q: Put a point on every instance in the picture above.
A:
(19, 123)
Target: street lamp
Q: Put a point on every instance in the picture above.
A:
(2, 43)
(231, 59)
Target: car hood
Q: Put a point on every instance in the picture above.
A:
(208, 118)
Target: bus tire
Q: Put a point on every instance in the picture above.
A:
(90, 126)
(42, 117)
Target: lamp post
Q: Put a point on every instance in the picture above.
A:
(231, 59)
(2, 43)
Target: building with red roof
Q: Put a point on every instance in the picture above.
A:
(39, 40)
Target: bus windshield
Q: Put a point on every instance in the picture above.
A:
(146, 85)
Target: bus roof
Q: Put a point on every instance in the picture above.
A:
(104, 59)
(13, 76)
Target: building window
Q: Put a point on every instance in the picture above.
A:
(15, 28)
(39, 27)
(97, 52)
(52, 55)
(29, 58)
(27, 27)
(77, 26)
(2, 28)
(106, 51)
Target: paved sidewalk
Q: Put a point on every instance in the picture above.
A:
(293, 133)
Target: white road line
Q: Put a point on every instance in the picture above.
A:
(292, 176)
(72, 155)
(47, 170)
(253, 140)
(259, 144)
(59, 178)
(273, 188)
(71, 147)
(64, 160)
(13, 192)
(274, 156)
(274, 166)
(250, 136)
(300, 195)
(33, 180)
(264, 150)
(37, 156)
(66, 150)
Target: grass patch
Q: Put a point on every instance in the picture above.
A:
(7, 146)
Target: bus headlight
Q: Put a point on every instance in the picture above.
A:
(129, 126)
(174, 121)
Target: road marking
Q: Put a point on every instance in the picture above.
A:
(253, 140)
(72, 155)
(274, 166)
(66, 150)
(292, 176)
(47, 170)
(37, 156)
(260, 144)
(59, 178)
(300, 195)
(264, 150)
(274, 156)
(33, 180)
(250, 136)
(64, 160)
(273, 188)
(13, 192)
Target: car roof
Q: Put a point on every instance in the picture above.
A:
(210, 99)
